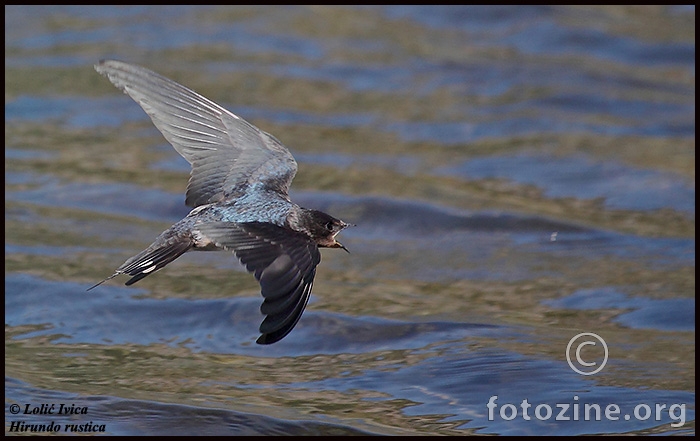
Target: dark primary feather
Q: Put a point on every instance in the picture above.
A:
(228, 155)
(283, 261)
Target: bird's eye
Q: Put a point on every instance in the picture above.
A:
(329, 226)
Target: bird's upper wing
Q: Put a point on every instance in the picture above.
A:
(228, 155)
(283, 261)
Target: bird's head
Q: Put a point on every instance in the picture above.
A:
(323, 227)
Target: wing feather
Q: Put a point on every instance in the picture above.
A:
(228, 155)
(283, 261)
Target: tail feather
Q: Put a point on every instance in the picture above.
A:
(153, 258)
(103, 281)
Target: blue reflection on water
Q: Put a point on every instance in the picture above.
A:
(621, 186)
(672, 314)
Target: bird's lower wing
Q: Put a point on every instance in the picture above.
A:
(283, 261)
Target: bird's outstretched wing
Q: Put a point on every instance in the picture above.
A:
(283, 261)
(229, 156)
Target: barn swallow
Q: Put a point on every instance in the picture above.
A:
(239, 192)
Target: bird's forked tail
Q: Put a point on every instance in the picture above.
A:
(160, 253)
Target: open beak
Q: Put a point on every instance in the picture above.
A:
(337, 244)
(340, 245)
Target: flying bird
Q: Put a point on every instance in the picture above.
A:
(238, 189)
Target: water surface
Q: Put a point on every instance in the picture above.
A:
(517, 176)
